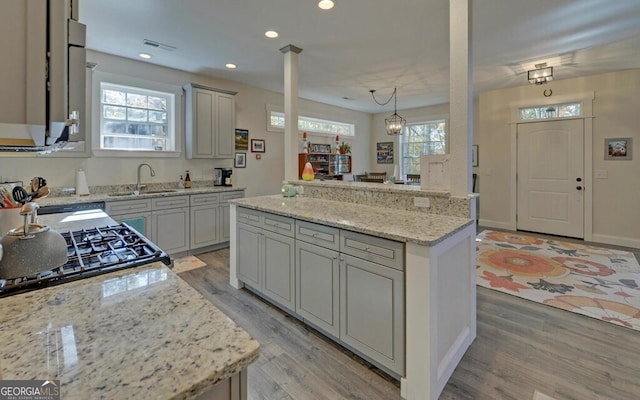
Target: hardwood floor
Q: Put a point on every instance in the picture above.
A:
(521, 346)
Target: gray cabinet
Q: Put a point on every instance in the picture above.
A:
(279, 269)
(372, 311)
(170, 223)
(348, 285)
(210, 122)
(318, 284)
(224, 220)
(205, 220)
(249, 254)
(266, 255)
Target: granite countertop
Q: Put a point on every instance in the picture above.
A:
(138, 333)
(105, 196)
(141, 333)
(400, 225)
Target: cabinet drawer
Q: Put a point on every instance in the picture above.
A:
(128, 206)
(226, 196)
(320, 235)
(279, 224)
(163, 203)
(205, 199)
(378, 250)
(250, 217)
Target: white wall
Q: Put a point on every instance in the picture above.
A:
(616, 216)
(260, 177)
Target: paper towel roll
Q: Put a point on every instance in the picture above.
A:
(82, 188)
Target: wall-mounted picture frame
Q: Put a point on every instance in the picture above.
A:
(242, 139)
(618, 149)
(384, 152)
(474, 155)
(240, 160)
(257, 146)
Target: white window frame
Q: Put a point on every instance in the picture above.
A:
(421, 121)
(351, 126)
(543, 114)
(176, 130)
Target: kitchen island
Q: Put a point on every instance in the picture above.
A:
(138, 333)
(427, 330)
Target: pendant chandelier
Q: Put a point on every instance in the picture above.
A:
(395, 123)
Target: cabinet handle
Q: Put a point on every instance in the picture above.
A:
(315, 235)
(366, 248)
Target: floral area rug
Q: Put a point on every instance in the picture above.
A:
(187, 263)
(593, 281)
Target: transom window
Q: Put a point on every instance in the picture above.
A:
(308, 124)
(550, 111)
(419, 139)
(136, 119)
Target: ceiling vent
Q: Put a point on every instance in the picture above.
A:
(158, 45)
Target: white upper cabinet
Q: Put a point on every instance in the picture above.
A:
(210, 122)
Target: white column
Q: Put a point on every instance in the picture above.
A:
(460, 96)
(291, 111)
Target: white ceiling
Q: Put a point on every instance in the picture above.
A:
(370, 44)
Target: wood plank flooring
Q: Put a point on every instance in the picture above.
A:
(521, 346)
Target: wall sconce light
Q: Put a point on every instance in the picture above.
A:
(395, 123)
(541, 75)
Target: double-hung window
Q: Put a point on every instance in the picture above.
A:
(134, 116)
(421, 138)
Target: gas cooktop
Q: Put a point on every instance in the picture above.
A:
(91, 252)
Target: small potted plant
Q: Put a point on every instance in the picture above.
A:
(344, 148)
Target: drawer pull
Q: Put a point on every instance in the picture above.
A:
(315, 235)
(367, 248)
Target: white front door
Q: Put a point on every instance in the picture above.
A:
(551, 177)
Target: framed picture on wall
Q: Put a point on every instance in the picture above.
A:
(242, 139)
(240, 161)
(618, 149)
(257, 146)
(384, 152)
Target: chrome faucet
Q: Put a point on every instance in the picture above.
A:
(140, 186)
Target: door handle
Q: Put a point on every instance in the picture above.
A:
(579, 187)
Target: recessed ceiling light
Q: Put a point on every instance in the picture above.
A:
(231, 66)
(271, 34)
(146, 56)
(326, 4)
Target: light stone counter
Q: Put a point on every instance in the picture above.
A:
(141, 333)
(138, 333)
(400, 225)
(104, 195)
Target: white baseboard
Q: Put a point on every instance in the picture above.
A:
(616, 240)
(495, 224)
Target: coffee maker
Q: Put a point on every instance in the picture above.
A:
(217, 177)
(226, 176)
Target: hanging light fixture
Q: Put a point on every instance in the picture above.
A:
(541, 75)
(395, 123)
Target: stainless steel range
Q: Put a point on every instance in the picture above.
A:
(91, 252)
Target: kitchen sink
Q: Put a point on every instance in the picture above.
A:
(121, 194)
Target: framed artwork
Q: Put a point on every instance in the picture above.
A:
(474, 155)
(240, 161)
(384, 152)
(320, 148)
(242, 139)
(618, 149)
(257, 146)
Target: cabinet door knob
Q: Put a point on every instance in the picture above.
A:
(579, 187)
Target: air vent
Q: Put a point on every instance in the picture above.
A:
(158, 45)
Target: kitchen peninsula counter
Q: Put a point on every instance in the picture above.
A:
(434, 256)
(389, 223)
(138, 333)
